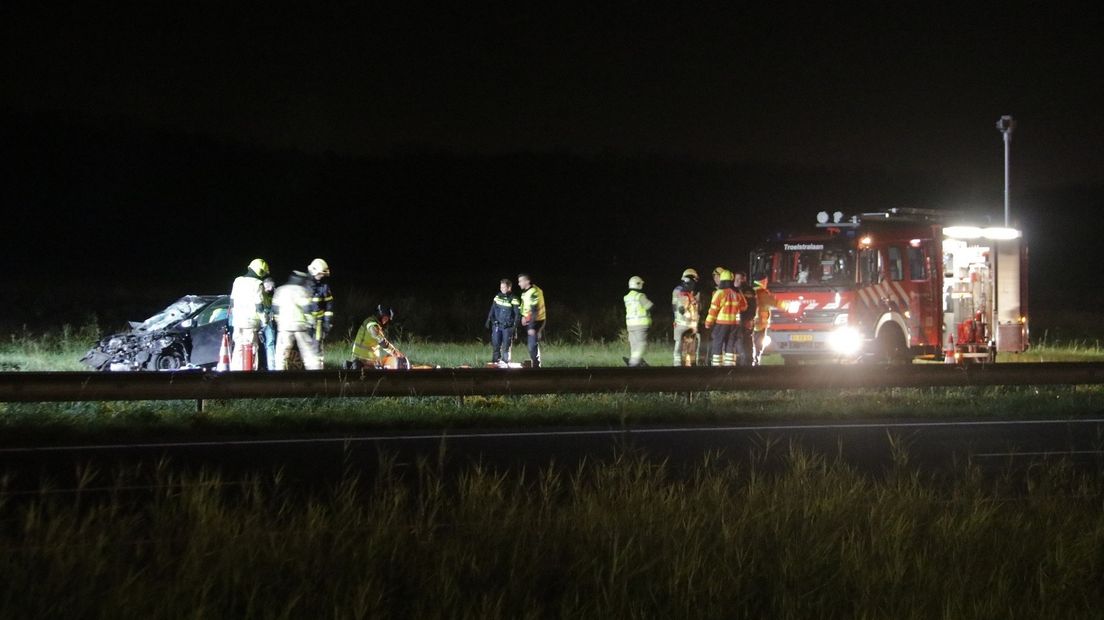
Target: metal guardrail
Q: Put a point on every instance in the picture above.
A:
(200, 386)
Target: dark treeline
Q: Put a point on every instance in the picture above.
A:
(144, 215)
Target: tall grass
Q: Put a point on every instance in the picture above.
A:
(627, 537)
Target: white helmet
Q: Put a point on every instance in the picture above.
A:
(636, 283)
(318, 267)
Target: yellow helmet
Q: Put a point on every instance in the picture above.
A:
(690, 273)
(726, 275)
(259, 267)
(636, 283)
(318, 267)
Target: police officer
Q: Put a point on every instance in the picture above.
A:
(502, 320)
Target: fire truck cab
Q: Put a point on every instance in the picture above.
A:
(893, 286)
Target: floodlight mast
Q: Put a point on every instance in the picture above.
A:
(1006, 124)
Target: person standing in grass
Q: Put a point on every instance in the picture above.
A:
(724, 311)
(268, 329)
(638, 318)
(533, 315)
(502, 320)
(765, 300)
(294, 312)
(247, 312)
(744, 344)
(685, 305)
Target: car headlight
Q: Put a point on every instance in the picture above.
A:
(845, 341)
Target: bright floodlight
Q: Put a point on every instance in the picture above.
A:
(962, 232)
(822, 217)
(1000, 233)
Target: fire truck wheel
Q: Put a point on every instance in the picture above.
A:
(890, 346)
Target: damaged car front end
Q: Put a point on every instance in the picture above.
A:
(186, 334)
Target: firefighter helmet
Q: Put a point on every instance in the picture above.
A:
(259, 267)
(690, 273)
(385, 311)
(726, 275)
(636, 283)
(318, 267)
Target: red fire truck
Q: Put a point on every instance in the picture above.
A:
(894, 286)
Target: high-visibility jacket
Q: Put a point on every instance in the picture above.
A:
(322, 298)
(532, 305)
(638, 309)
(766, 300)
(292, 308)
(370, 343)
(685, 304)
(247, 302)
(505, 311)
(725, 307)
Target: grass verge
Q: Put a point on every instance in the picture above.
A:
(620, 538)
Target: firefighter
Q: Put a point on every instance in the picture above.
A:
(717, 271)
(247, 311)
(744, 345)
(724, 311)
(322, 298)
(765, 301)
(294, 312)
(268, 330)
(685, 305)
(502, 320)
(638, 318)
(533, 315)
(371, 348)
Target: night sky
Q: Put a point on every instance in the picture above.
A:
(503, 138)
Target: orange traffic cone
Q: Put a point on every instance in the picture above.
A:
(224, 354)
(949, 351)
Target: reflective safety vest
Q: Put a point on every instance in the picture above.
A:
(247, 302)
(766, 301)
(725, 307)
(685, 306)
(532, 304)
(637, 309)
(370, 343)
(292, 307)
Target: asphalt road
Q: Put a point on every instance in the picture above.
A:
(994, 445)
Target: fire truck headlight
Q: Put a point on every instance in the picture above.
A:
(845, 341)
(840, 320)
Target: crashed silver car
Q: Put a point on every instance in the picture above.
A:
(187, 334)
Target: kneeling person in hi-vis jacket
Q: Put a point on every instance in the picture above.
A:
(294, 313)
(372, 349)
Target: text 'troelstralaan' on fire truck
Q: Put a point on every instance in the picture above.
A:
(894, 286)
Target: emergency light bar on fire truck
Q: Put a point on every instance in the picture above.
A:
(896, 285)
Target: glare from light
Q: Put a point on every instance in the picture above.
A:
(992, 233)
(914, 243)
(845, 341)
(1000, 233)
(962, 232)
(837, 217)
(866, 240)
(766, 341)
(822, 217)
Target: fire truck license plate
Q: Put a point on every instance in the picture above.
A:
(801, 338)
